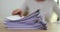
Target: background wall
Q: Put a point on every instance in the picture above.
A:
(7, 6)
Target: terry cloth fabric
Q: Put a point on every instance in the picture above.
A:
(32, 21)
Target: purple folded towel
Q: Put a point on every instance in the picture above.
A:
(31, 21)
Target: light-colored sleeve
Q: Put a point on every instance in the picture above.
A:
(23, 5)
(57, 9)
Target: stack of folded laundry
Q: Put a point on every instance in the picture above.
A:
(32, 21)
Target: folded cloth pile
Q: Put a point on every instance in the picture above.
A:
(32, 21)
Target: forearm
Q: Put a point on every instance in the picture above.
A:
(57, 10)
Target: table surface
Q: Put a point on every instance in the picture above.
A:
(52, 27)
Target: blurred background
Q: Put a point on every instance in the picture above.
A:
(7, 6)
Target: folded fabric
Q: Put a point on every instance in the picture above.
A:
(34, 20)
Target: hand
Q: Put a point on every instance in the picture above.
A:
(17, 12)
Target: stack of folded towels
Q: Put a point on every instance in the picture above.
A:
(32, 21)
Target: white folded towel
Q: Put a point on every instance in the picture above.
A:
(14, 17)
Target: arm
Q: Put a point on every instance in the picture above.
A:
(24, 8)
(57, 9)
(21, 10)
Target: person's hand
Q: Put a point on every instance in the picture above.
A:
(17, 12)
